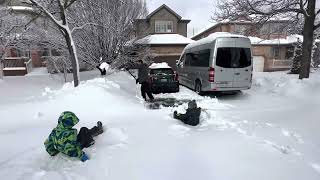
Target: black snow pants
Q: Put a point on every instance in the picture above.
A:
(145, 89)
(85, 136)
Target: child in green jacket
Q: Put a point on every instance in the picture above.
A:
(66, 140)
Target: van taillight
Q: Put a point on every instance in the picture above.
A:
(211, 75)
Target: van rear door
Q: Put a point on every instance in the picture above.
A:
(223, 71)
(242, 64)
(242, 74)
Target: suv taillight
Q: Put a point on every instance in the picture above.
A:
(211, 74)
(176, 76)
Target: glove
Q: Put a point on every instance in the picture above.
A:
(84, 157)
(175, 114)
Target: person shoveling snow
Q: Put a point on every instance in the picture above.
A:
(192, 116)
(143, 79)
(103, 67)
(65, 139)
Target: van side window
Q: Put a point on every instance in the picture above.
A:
(199, 58)
(188, 59)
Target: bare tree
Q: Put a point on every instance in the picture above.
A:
(104, 29)
(263, 10)
(56, 11)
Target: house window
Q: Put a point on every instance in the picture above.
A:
(15, 52)
(240, 29)
(164, 26)
(276, 52)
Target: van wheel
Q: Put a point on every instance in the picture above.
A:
(198, 87)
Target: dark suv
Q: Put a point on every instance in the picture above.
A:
(163, 80)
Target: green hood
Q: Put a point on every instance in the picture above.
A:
(67, 120)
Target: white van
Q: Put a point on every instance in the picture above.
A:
(219, 62)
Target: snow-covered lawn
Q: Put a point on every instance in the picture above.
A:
(268, 132)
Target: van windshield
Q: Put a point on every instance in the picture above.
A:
(228, 57)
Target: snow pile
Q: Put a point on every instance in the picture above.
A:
(164, 39)
(287, 85)
(38, 72)
(21, 8)
(276, 122)
(163, 65)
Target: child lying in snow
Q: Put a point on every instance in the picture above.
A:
(192, 115)
(65, 139)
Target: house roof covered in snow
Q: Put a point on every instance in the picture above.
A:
(228, 21)
(289, 40)
(168, 9)
(212, 37)
(162, 39)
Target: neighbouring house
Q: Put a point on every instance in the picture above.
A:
(20, 58)
(273, 48)
(165, 32)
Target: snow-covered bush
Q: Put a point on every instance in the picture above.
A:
(297, 57)
(316, 55)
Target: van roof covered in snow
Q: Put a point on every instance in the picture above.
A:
(213, 37)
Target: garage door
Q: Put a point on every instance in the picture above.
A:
(258, 63)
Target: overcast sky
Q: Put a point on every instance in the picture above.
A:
(198, 11)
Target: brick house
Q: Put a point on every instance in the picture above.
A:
(20, 60)
(272, 47)
(165, 32)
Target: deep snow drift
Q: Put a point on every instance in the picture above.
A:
(268, 132)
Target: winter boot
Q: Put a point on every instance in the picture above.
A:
(96, 130)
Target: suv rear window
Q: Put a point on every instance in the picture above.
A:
(161, 71)
(233, 57)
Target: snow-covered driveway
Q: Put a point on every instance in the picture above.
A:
(268, 132)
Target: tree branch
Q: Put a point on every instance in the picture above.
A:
(70, 3)
(81, 27)
(316, 26)
(47, 13)
(304, 12)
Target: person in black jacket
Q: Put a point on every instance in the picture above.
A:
(192, 116)
(143, 79)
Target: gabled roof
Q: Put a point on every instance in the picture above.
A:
(228, 21)
(165, 7)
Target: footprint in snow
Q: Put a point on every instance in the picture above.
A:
(296, 137)
(282, 149)
(112, 136)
